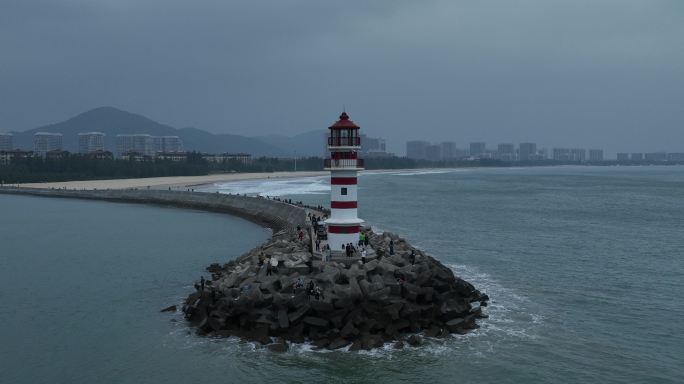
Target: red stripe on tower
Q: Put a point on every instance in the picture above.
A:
(343, 180)
(343, 229)
(343, 204)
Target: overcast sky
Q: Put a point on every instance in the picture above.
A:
(589, 73)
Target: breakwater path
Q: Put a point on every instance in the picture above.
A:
(277, 215)
(280, 293)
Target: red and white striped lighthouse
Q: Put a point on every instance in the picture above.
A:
(344, 143)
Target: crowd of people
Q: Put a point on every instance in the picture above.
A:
(311, 289)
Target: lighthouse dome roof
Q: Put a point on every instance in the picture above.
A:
(344, 122)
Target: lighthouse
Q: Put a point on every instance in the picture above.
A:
(344, 143)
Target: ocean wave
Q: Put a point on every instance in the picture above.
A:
(418, 172)
(298, 186)
(511, 315)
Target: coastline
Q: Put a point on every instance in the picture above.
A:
(173, 182)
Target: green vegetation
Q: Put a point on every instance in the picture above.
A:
(78, 167)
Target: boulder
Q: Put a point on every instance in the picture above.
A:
(316, 321)
(338, 343)
(283, 320)
(349, 330)
(297, 315)
(414, 340)
(362, 306)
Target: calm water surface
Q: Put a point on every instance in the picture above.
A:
(584, 267)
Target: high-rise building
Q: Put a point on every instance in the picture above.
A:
(416, 149)
(137, 143)
(676, 156)
(637, 156)
(167, 144)
(448, 150)
(44, 142)
(567, 154)
(373, 147)
(528, 151)
(623, 157)
(477, 149)
(561, 154)
(596, 155)
(578, 154)
(89, 142)
(433, 152)
(656, 156)
(506, 152)
(6, 142)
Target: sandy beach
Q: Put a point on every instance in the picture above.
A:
(166, 182)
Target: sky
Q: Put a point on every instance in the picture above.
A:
(576, 73)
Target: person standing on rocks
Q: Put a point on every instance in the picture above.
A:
(391, 247)
(274, 263)
(299, 284)
(363, 256)
(202, 284)
(327, 252)
(310, 289)
(309, 263)
(318, 244)
(268, 267)
(413, 257)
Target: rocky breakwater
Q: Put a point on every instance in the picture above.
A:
(387, 299)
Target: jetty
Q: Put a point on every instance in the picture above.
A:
(394, 297)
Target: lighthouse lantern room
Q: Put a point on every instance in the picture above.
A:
(344, 143)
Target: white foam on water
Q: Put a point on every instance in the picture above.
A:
(424, 172)
(510, 314)
(510, 318)
(277, 187)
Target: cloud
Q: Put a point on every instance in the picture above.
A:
(607, 74)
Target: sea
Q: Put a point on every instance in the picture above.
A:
(584, 267)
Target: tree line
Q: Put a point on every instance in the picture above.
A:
(80, 167)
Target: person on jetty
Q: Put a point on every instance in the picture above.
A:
(412, 257)
(202, 284)
(268, 267)
(310, 289)
(318, 293)
(326, 253)
(301, 236)
(391, 247)
(274, 263)
(309, 263)
(318, 244)
(299, 284)
(363, 256)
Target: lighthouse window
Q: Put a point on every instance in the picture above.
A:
(343, 191)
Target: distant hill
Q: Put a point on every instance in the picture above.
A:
(305, 144)
(112, 121)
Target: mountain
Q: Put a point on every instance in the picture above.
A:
(312, 143)
(112, 122)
